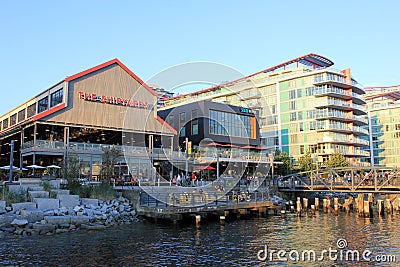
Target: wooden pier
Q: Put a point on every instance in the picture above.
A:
(222, 207)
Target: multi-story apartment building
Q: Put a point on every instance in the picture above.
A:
(303, 104)
(383, 104)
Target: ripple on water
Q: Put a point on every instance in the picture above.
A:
(235, 244)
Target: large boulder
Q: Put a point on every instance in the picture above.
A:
(19, 222)
(68, 201)
(23, 206)
(47, 203)
(6, 219)
(78, 220)
(90, 201)
(38, 194)
(57, 220)
(32, 215)
(3, 204)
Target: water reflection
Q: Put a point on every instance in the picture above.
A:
(235, 244)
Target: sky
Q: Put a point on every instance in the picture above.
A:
(42, 42)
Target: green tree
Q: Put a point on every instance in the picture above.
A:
(337, 160)
(286, 167)
(110, 157)
(306, 162)
(70, 168)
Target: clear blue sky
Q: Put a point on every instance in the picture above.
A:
(42, 42)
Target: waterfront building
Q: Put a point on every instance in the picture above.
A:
(303, 104)
(207, 130)
(384, 125)
(103, 107)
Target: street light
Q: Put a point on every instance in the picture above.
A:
(217, 166)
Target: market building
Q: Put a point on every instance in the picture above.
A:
(103, 107)
(303, 104)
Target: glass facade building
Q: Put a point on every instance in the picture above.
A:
(303, 104)
(384, 125)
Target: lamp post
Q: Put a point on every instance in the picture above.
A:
(217, 166)
(10, 178)
(186, 157)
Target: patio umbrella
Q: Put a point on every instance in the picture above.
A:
(53, 167)
(8, 167)
(34, 166)
(204, 168)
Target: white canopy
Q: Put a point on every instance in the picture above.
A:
(53, 167)
(35, 167)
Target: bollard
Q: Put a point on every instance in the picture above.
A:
(360, 204)
(324, 205)
(347, 205)
(226, 213)
(336, 201)
(305, 204)
(371, 197)
(298, 207)
(316, 203)
(336, 210)
(283, 214)
(222, 220)
(313, 209)
(380, 207)
(198, 219)
(366, 209)
(388, 206)
(398, 204)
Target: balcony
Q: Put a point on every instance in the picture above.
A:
(358, 109)
(360, 131)
(344, 140)
(335, 128)
(333, 104)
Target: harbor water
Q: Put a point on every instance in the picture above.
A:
(245, 242)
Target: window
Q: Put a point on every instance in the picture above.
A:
(292, 105)
(171, 121)
(299, 93)
(182, 120)
(5, 123)
(292, 94)
(56, 98)
(299, 115)
(301, 126)
(273, 109)
(293, 116)
(31, 110)
(43, 104)
(225, 123)
(301, 149)
(313, 149)
(195, 122)
(21, 115)
(13, 119)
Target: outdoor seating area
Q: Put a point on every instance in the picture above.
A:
(50, 172)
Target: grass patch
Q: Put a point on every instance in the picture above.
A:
(103, 191)
(12, 197)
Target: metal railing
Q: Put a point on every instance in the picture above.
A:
(360, 179)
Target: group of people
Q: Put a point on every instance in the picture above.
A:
(182, 180)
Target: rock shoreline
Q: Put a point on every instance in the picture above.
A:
(24, 219)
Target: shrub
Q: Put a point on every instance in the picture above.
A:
(13, 197)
